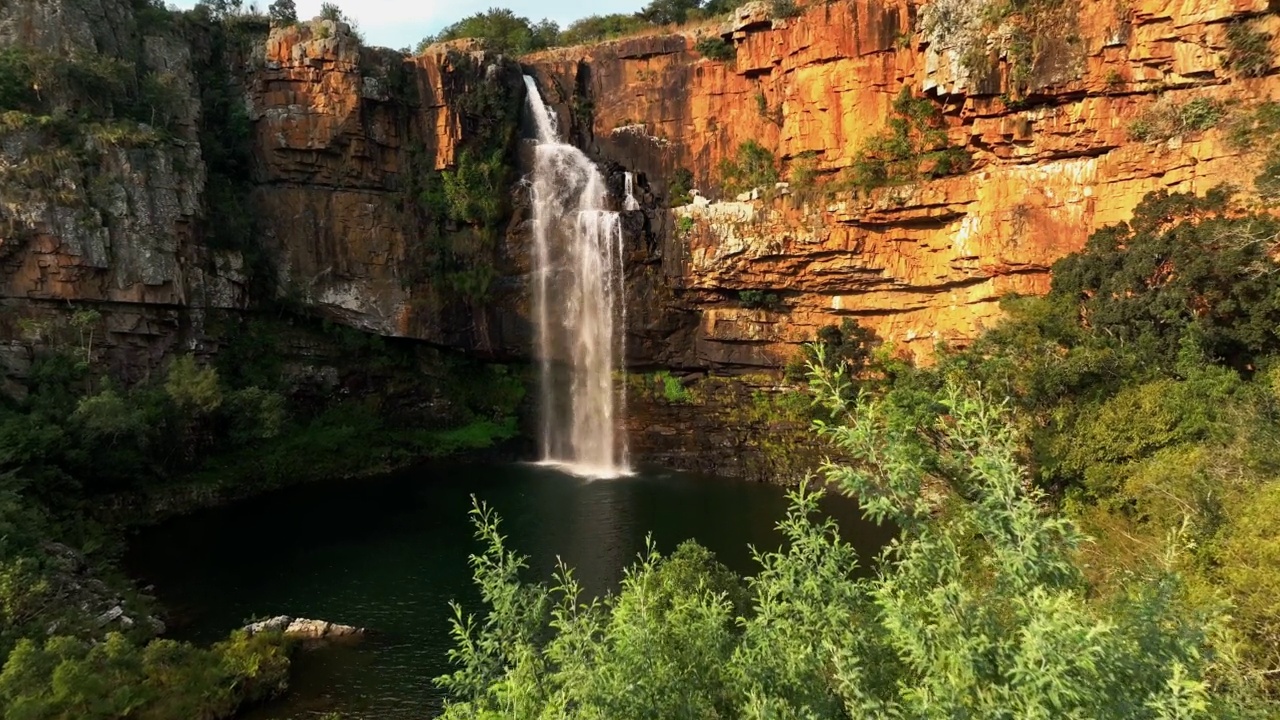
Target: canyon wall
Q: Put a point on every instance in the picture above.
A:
(920, 262)
(348, 150)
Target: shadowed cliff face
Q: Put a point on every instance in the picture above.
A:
(346, 139)
(353, 219)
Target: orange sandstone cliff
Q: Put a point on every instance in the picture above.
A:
(342, 137)
(921, 262)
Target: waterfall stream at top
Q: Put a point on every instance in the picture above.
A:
(578, 305)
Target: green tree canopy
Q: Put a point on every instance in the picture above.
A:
(594, 28)
(669, 12)
(1184, 267)
(500, 30)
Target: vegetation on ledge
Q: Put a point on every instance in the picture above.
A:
(913, 145)
(501, 30)
(753, 167)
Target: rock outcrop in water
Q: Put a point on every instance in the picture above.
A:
(305, 629)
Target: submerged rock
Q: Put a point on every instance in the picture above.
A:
(305, 629)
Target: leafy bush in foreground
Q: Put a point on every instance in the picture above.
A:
(67, 678)
(978, 610)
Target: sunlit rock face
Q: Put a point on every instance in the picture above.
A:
(919, 263)
(340, 133)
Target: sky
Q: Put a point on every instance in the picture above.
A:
(402, 23)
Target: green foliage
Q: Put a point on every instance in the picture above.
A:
(663, 385)
(714, 47)
(193, 388)
(596, 28)
(846, 347)
(1248, 50)
(914, 145)
(17, 78)
(64, 677)
(802, 175)
(680, 189)
(466, 208)
(752, 167)
(87, 90)
(500, 30)
(1143, 391)
(670, 12)
(1182, 269)
(226, 144)
(283, 13)
(473, 191)
(1035, 38)
(1168, 118)
(460, 209)
(979, 612)
(759, 300)
(684, 227)
(1257, 128)
(1267, 184)
(1254, 127)
(784, 9)
(764, 111)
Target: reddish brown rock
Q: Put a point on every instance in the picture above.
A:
(340, 131)
(918, 263)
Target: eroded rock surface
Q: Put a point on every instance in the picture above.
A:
(343, 136)
(918, 263)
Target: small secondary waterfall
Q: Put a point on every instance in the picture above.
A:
(630, 203)
(578, 305)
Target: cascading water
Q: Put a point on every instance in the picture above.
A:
(578, 305)
(630, 204)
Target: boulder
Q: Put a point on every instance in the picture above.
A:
(305, 629)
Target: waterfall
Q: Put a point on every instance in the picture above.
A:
(630, 204)
(578, 306)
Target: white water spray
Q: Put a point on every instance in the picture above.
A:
(577, 303)
(630, 204)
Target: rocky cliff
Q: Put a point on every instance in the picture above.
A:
(297, 168)
(919, 262)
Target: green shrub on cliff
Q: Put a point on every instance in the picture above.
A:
(669, 12)
(283, 13)
(680, 189)
(753, 167)
(596, 28)
(714, 47)
(1035, 39)
(1144, 387)
(759, 300)
(1185, 268)
(1249, 51)
(1166, 119)
(913, 146)
(846, 347)
(501, 31)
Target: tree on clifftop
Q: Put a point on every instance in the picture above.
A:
(283, 12)
(501, 31)
(675, 12)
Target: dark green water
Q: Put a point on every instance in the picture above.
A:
(388, 554)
